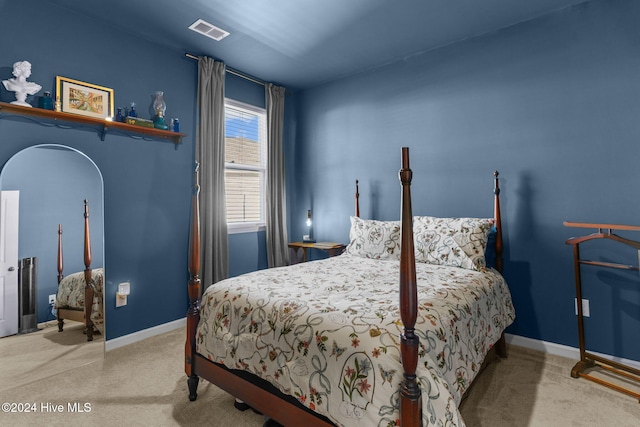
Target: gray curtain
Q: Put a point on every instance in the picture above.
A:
(277, 239)
(210, 155)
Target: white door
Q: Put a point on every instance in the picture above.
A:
(8, 262)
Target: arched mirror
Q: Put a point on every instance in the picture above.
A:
(51, 183)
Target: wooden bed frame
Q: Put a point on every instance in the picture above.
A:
(83, 316)
(264, 398)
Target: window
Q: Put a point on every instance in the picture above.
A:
(245, 166)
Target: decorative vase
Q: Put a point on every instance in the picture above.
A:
(159, 107)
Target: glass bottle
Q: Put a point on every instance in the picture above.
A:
(159, 107)
(46, 102)
(119, 117)
(132, 111)
(176, 125)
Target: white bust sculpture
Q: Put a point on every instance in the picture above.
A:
(20, 85)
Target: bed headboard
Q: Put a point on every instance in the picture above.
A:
(495, 244)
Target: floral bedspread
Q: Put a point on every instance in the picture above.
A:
(327, 332)
(71, 295)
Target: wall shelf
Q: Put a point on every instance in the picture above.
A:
(48, 117)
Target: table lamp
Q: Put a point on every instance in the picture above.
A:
(308, 237)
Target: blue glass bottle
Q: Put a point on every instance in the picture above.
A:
(132, 111)
(176, 125)
(46, 102)
(119, 117)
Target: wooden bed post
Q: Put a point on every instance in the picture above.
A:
(60, 275)
(193, 313)
(88, 280)
(498, 220)
(410, 394)
(501, 345)
(357, 200)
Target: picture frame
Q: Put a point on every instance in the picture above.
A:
(84, 99)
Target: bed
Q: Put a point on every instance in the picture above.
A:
(326, 342)
(81, 286)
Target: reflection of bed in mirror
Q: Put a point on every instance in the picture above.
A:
(52, 181)
(81, 286)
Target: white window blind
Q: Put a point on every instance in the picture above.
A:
(245, 164)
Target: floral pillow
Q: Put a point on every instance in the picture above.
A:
(458, 242)
(374, 239)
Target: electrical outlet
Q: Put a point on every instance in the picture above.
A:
(124, 289)
(121, 300)
(52, 299)
(585, 307)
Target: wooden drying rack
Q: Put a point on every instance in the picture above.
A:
(587, 359)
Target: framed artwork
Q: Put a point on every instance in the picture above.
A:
(85, 99)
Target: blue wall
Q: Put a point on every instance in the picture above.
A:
(552, 103)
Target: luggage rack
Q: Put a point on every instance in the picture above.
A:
(587, 359)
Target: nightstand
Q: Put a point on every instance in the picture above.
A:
(331, 248)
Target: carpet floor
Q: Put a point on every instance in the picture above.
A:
(42, 354)
(143, 384)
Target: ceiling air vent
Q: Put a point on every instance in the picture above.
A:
(209, 30)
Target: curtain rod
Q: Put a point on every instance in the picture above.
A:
(232, 71)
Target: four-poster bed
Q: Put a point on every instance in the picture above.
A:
(326, 343)
(79, 287)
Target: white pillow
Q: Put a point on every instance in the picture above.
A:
(374, 239)
(458, 242)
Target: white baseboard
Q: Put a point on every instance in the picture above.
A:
(561, 350)
(145, 333)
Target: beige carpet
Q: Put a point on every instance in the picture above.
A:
(45, 353)
(143, 384)
(530, 388)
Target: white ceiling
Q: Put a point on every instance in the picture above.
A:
(303, 43)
